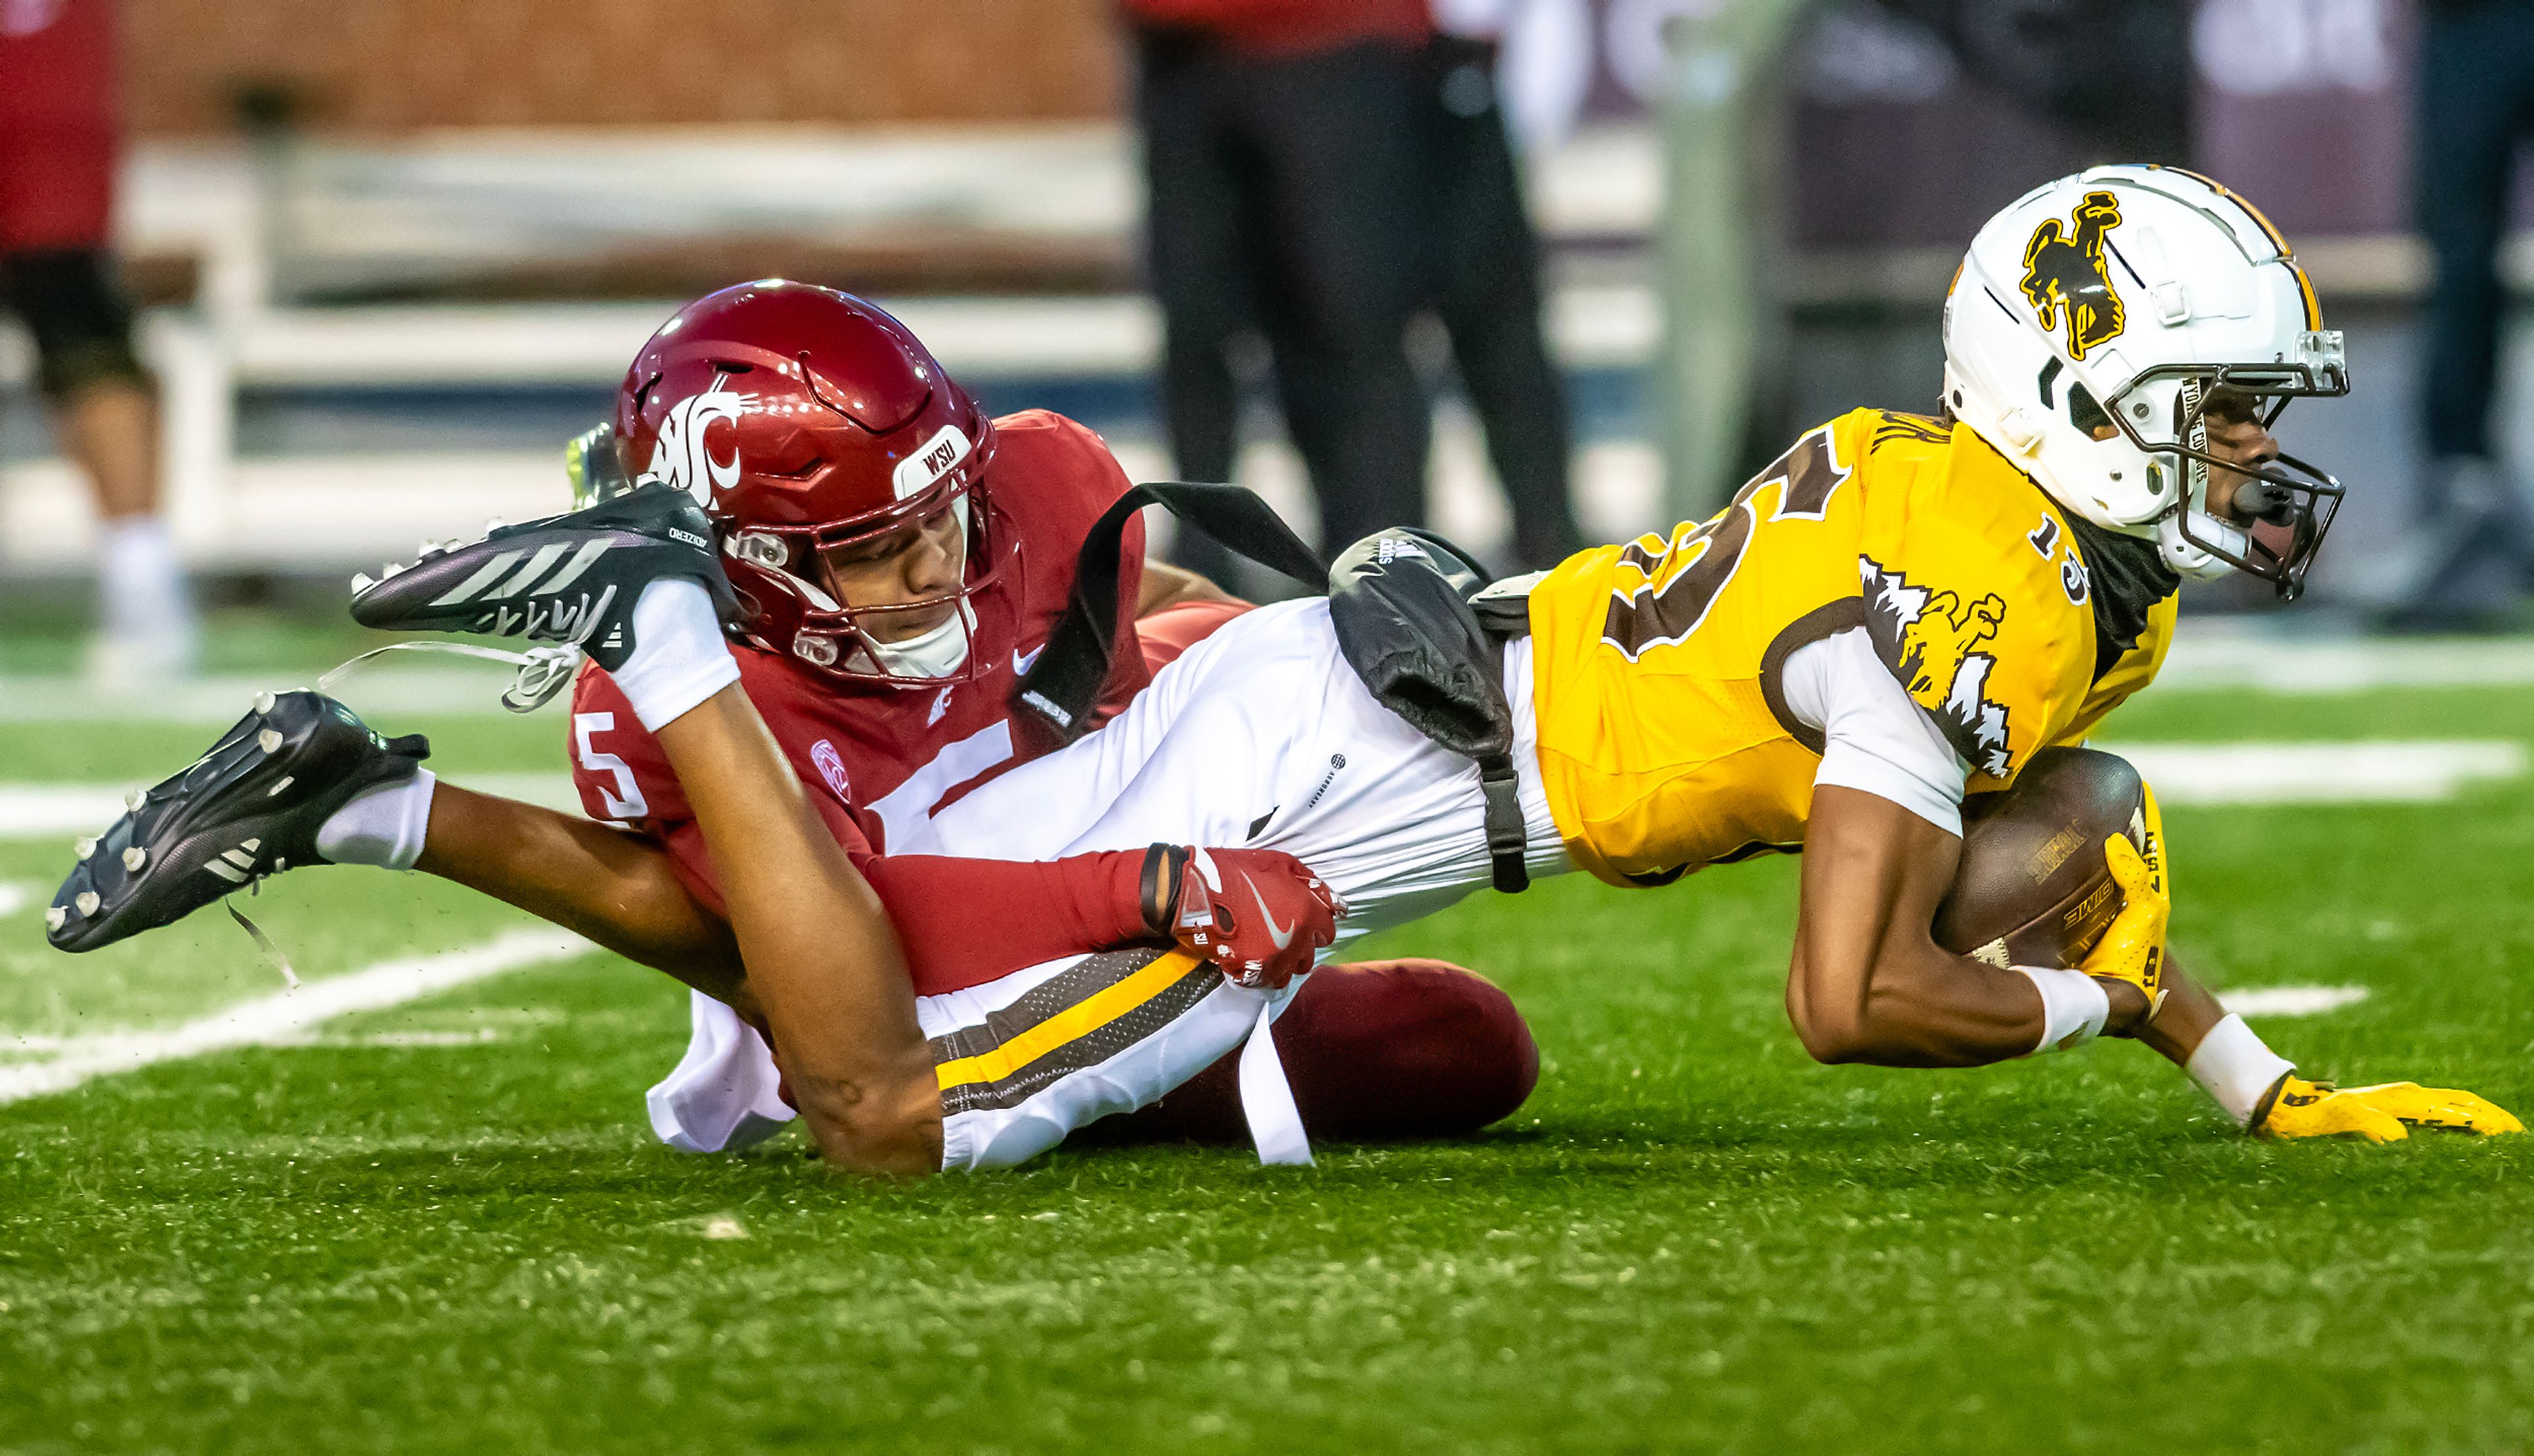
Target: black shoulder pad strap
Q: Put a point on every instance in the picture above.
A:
(1399, 602)
(1061, 687)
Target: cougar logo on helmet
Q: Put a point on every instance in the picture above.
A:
(2064, 275)
(683, 457)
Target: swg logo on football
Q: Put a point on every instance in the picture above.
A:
(1930, 640)
(683, 456)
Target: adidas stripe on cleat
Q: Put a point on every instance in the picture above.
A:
(249, 807)
(568, 579)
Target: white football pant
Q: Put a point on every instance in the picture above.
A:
(1259, 736)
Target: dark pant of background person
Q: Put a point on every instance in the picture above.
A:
(2476, 103)
(1283, 198)
(1487, 292)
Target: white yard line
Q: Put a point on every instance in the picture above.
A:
(2291, 1001)
(2384, 771)
(36, 811)
(286, 1017)
(2213, 655)
(384, 696)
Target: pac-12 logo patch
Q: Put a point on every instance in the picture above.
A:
(2065, 281)
(1931, 640)
(831, 767)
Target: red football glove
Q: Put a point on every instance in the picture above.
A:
(1259, 914)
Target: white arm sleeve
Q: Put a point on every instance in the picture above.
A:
(1875, 738)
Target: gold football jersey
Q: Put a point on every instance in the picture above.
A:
(1665, 740)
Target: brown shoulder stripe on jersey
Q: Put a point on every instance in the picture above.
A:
(1061, 994)
(1901, 424)
(1804, 631)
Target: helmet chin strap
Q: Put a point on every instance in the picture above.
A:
(934, 654)
(2192, 560)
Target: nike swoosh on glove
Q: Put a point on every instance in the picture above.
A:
(1259, 914)
(2384, 1113)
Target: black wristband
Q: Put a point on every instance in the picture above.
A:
(1163, 866)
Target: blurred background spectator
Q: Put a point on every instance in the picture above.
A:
(1285, 160)
(2475, 555)
(1485, 278)
(58, 129)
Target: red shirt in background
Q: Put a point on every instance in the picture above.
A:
(1283, 28)
(57, 123)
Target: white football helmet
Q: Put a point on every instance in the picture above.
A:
(2090, 324)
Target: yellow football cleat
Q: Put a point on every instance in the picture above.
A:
(2385, 1113)
(2132, 948)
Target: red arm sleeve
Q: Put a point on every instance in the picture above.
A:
(1043, 911)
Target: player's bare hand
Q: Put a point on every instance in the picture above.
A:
(1259, 914)
(2384, 1113)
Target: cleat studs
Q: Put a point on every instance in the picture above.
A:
(276, 790)
(270, 741)
(279, 865)
(496, 524)
(86, 903)
(56, 917)
(134, 858)
(391, 569)
(133, 801)
(84, 849)
(264, 703)
(362, 582)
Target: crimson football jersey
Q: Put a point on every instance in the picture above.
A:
(880, 758)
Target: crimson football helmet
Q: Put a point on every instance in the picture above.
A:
(802, 418)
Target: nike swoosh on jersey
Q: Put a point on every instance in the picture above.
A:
(1282, 935)
(1023, 662)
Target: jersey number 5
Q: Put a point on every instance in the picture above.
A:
(1665, 609)
(627, 801)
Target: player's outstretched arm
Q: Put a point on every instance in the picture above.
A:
(820, 953)
(1869, 983)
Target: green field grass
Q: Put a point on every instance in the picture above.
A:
(446, 1226)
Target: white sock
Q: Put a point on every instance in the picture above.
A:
(680, 657)
(2236, 1068)
(142, 587)
(382, 826)
(2073, 1007)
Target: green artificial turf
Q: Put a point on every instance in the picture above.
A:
(463, 1238)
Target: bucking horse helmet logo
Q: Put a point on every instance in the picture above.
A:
(2064, 275)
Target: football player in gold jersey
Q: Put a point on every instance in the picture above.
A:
(1898, 613)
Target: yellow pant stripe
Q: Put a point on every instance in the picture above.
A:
(1081, 1019)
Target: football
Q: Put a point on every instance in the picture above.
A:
(2033, 888)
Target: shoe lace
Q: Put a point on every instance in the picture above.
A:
(271, 952)
(544, 672)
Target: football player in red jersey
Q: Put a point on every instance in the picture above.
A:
(901, 558)
(907, 558)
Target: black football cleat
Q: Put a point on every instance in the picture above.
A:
(568, 578)
(250, 807)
